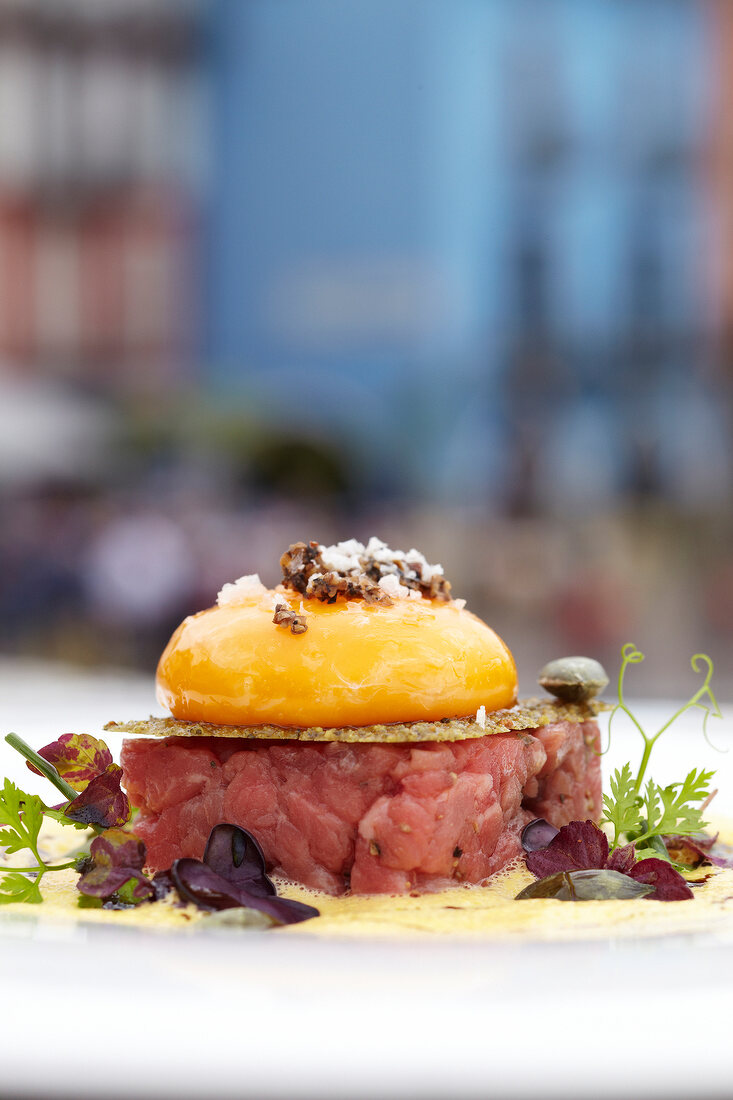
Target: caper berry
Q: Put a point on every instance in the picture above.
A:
(573, 679)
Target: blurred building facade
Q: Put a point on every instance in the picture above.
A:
(455, 273)
(96, 198)
(499, 238)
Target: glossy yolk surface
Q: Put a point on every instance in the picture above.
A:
(357, 665)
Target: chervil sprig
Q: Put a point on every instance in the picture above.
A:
(621, 806)
(21, 817)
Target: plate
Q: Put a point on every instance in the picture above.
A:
(90, 1009)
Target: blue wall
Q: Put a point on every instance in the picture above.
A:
(406, 193)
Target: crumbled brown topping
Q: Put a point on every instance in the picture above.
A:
(373, 573)
(285, 616)
(327, 587)
(299, 563)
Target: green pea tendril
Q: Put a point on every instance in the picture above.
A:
(644, 813)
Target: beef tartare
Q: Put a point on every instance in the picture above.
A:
(361, 723)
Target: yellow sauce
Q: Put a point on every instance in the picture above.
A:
(487, 913)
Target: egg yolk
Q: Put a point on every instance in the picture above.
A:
(356, 665)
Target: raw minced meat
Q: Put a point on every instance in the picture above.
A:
(375, 818)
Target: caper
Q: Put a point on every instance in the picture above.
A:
(573, 679)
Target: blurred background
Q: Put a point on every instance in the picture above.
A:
(457, 273)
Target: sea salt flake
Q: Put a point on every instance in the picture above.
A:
(243, 590)
(352, 547)
(379, 552)
(344, 557)
(392, 587)
(481, 717)
(427, 571)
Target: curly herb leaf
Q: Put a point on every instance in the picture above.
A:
(654, 847)
(18, 888)
(661, 810)
(621, 807)
(21, 816)
(672, 809)
(77, 758)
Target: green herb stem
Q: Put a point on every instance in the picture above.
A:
(40, 869)
(693, 701)
(648, 746)
(43, 766)
(630, 655)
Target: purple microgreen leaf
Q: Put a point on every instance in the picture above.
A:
(42, 766)
(702, 840)
(77, 758)
(579, 846)
(116, 858)
(692, 851)
(622, 859)
(162, 884)
(587, 885)
(199, 884)
(667, 884)
(103, 802)
(538, 834)
(235, 855)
